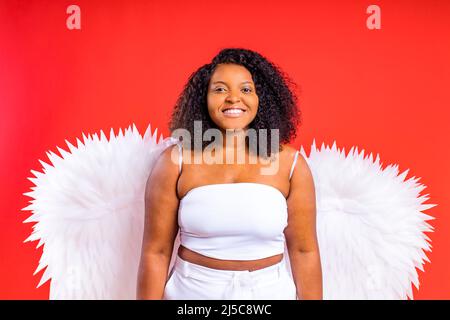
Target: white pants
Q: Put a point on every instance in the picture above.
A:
(189, 281)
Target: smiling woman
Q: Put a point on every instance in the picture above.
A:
(242, 79)
(217, 231)
(232, 99)
(233, 221)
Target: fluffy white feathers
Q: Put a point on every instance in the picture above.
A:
(370, 225)
(89, 212)
(89, 209)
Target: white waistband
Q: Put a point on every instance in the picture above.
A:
(245, 277)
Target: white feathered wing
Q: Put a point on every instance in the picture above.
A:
(89, 209)
(370, 225)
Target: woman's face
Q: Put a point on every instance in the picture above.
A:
(231, 88)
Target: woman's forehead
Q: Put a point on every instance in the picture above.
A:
(233, 72)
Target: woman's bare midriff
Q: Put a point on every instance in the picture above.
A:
(236, 265)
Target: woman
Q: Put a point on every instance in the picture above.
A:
(234, 222)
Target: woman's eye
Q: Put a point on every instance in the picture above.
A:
(219, 89)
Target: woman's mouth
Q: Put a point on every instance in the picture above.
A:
(233, 112)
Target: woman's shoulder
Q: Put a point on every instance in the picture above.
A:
(163, 175)
(167, 163)
(170, 157)
(287, 151)
(288, 156)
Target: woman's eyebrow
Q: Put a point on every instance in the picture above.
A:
(226, 83)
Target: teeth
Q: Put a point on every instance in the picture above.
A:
(233, 111)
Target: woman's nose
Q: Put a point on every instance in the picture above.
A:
(233, 98)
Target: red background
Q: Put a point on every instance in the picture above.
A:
(385, 91)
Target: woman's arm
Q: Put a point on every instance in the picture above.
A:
(301, 239)
(160, 228)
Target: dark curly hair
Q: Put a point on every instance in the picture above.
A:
(277, 102)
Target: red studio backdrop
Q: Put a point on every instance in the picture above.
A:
(384, 90)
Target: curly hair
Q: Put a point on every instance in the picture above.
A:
(277, 102)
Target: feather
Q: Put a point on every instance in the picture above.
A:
(89, 209)
(88, 206)
(370, 226)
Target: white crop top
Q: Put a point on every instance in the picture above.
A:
(233, 221)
